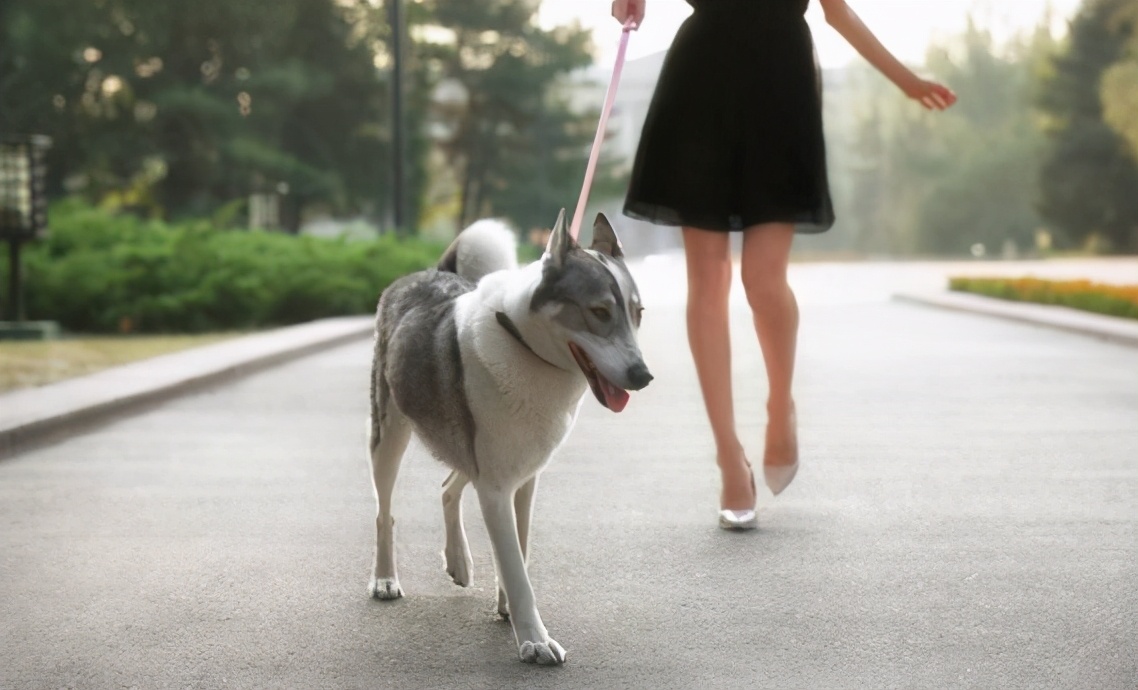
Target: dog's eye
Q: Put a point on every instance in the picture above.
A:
(639, 313)
(602, 313)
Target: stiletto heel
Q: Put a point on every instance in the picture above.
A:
(741, 520)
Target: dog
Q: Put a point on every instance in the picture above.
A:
(488, 364)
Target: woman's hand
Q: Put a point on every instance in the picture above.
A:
(931, 95)
(625, 10)
(845, 21)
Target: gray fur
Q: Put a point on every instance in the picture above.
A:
(416, 315)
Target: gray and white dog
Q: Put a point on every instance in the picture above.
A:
(488, 364)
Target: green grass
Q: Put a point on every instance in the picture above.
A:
(26, 364)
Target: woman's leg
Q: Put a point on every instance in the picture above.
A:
(766, 252)
(708, 256)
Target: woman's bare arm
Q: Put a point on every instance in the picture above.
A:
(845, 21)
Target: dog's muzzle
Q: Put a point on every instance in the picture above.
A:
(608, 393)
(638, 376)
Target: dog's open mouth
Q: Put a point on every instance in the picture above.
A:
(609, 395)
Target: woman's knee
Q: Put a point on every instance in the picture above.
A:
(766, 253)
(764, 286)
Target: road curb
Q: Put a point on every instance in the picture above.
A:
(35, 416)
(1110, 328)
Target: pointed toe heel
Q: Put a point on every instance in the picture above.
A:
(738, 520)
(779, 476)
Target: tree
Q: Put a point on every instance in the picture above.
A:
(1089, 182)
(181, 108)
(516, 149)
(1120, 82)
(991, 149)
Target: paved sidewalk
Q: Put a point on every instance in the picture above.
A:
(966, 517)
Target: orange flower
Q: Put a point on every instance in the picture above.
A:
(1114, 300)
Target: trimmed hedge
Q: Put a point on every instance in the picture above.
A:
(1113, 300)
(103, 273)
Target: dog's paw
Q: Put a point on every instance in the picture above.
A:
(459, 564)
(547, 653)
(384, 588)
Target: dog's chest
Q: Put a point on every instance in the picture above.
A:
(523, 408)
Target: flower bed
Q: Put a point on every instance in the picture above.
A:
(1112, 300)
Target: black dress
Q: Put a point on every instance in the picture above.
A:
(733, 135)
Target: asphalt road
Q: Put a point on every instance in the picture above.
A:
(966, 517)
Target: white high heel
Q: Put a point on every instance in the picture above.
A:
(779, 476)
(740, 520)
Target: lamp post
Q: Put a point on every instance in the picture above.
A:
(23, 206)
(398, 174)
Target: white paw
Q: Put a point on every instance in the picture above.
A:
(384, 588)
(547, 653)
(459, 564)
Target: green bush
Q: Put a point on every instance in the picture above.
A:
(98, 273)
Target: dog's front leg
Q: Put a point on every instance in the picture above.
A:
(523, 509)
(534, 643)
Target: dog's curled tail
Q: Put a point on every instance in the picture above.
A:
(484, 247)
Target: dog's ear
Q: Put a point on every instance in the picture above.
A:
(605, 240)
(560, 241)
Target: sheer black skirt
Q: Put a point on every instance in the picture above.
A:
(733, 136)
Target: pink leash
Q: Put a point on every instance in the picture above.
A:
(590, 171)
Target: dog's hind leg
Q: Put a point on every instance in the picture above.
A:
(523, 509)
(533, 640)
(459, 565)
(394, 432)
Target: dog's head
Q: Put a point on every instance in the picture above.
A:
(592, 303)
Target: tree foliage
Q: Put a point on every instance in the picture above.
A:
(1120, 81)
(515, 147)
(178, 108)
(940, 183)
(991, 147)
(1088, 183)
(185, 108)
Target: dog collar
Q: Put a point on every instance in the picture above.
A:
(513, 330)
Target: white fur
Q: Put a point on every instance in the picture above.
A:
(485, 247)
(525, 410)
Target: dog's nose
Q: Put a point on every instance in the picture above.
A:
(638, 376)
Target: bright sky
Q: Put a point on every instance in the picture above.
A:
(906, 27)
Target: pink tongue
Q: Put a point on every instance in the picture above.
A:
(615, 398)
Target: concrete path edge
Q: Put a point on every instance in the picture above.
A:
(1111, 328)
(35, 416)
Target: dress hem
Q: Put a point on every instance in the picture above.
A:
(804, 223)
